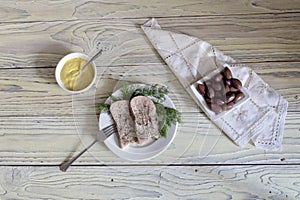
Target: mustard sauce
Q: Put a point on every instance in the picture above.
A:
(75, 79)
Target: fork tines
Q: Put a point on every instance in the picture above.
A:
(109, 130)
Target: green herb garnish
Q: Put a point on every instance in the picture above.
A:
(103, 107)
(155, 91)
(173, 116)
(126, 91)
(166, 116)
(163, 131)
(113, 98)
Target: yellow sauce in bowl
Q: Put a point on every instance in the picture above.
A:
(75, 79)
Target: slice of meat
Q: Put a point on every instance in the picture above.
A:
(145, 118)
(125, 124)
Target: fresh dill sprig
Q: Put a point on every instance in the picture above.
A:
(125, 91)
(155, 91)
(113, 98)
(166, 117)
(163, 131)
(103, 107)
(173, 116)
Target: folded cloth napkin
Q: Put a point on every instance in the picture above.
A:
(260, 118)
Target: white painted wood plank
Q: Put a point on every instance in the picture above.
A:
(50, 140)
(273, 39)
(150, 182)
(43, 10)
(34, 92)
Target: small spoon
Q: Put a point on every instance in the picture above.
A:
(90, 60)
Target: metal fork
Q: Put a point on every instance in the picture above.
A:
(101, 136)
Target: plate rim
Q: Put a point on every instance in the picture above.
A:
(137, 156)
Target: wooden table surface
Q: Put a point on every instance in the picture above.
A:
(41, 125)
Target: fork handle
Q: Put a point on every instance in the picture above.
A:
(65, 165)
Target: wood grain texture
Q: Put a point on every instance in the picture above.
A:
(41, 126)
(50, 140)
(49, 114)
(108, 182)
(274, 38)
(42, 96)
(84, 9)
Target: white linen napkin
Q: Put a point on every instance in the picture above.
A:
(260, 119)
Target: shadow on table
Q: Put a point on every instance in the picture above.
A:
(46, 60)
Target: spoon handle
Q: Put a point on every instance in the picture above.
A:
(93, 58)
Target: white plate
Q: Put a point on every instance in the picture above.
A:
(134, 152)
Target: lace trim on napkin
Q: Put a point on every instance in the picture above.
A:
(260, 119)
(272, 109)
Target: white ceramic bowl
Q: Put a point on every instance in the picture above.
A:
(61, 64)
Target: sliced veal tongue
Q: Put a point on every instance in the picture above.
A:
(125, 124)
(145, 118)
